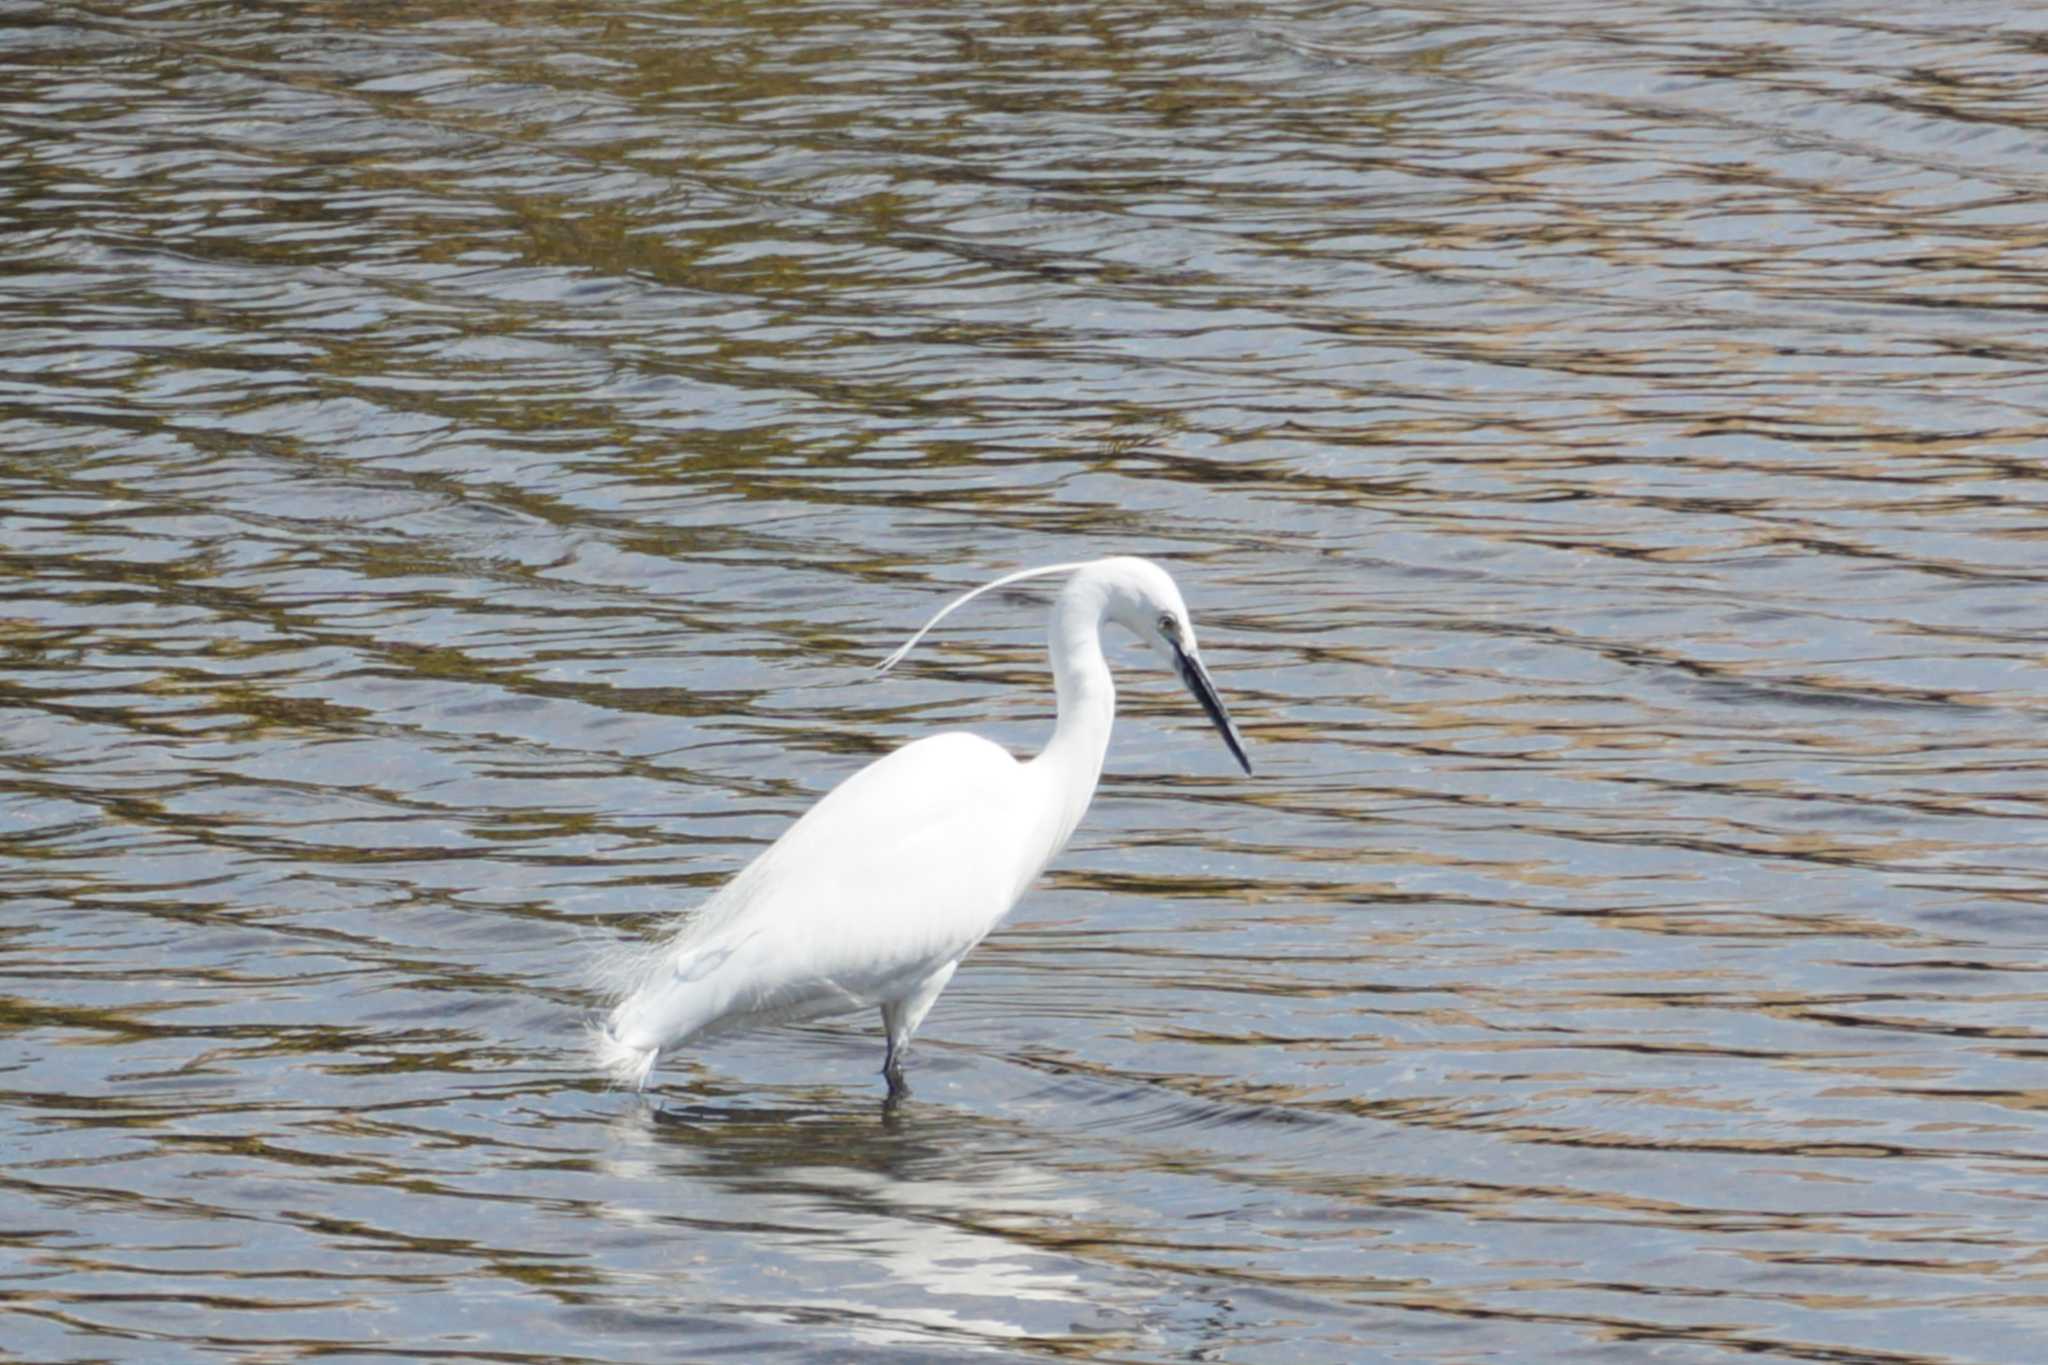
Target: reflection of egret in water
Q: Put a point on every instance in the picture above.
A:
(874, 896)
(948, 1220)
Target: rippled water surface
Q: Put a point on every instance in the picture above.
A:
(458, 465)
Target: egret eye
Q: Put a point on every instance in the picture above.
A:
(1169, 627)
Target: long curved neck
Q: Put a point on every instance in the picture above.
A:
(1071, 761)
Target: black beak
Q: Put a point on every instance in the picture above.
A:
(1197, 679)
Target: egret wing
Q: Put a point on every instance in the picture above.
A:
(898, 871)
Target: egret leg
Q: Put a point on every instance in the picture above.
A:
(900, 1019)
(892, 1070)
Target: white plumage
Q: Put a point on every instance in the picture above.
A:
(876, 893)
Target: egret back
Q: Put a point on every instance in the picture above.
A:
(898, 871)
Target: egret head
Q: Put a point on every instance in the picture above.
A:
(1144, 600)
(1141, 597)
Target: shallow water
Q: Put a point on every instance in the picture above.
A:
(459, 468)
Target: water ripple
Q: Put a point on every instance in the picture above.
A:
(456, 475)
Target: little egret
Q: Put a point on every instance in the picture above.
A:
(877, 892)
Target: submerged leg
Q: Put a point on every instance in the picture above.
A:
(900, 1019)
(892, 1070)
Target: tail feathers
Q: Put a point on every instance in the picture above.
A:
(626, 1064)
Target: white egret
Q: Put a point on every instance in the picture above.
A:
(877, 892)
